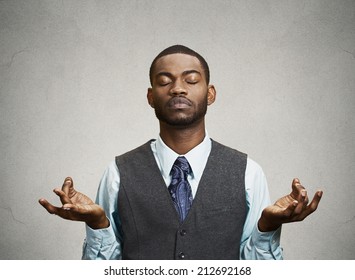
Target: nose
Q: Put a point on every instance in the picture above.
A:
(178, 88)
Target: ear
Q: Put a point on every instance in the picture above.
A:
(211, 94)
(150, 97)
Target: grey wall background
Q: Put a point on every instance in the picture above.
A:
(73, 80)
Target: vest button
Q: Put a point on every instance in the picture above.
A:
(181, 255)
(183, 232)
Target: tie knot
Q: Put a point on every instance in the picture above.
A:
(182, 163)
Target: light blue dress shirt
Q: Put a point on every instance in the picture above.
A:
(105, 243)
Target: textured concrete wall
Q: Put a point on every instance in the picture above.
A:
(73, 80)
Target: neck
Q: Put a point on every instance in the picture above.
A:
(182, 139)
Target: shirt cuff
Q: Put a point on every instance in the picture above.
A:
(100, 237)
(268, 241)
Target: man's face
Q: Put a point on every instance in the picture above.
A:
(179, 93)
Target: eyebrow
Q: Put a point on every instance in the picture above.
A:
(185, 73)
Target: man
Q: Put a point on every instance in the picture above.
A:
(182, 196)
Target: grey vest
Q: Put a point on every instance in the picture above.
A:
(150, 224)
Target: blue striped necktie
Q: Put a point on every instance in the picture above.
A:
(180, 188)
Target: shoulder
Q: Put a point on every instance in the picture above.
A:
(254, 167)
(111, 173)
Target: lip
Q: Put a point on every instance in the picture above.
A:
(179, 103)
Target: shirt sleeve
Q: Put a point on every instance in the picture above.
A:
(256, 245)
(105, 243)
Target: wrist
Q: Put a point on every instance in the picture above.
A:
(101, 223)
(265, 226)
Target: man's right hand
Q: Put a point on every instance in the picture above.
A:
(76, 206)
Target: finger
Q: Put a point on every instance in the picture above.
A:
(67, 211)
(296, 189)
(69, 206)
(302, 202)
(312, 206)
(68, 183)
(63, 212)
(290, 209)
(296, 181)
(64, 198)
(49, 207)
(315, 201)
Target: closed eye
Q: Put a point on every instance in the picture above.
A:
(192, 77)
(163, 81)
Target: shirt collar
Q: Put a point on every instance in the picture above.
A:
(197, 157)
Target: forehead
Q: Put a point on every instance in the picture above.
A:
(177, 63)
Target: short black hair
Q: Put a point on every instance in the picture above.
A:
(184, 50)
